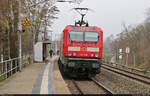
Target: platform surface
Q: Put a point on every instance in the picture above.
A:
(37, 78)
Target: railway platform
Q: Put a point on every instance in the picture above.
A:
(37, 78)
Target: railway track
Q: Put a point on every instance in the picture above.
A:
(125, 73)
(107, 90)
(95, 88)
(78, 88)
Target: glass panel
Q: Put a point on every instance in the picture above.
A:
(75, 36)
(87, 36)
(91, 36)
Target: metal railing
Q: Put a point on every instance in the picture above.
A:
(9, 67)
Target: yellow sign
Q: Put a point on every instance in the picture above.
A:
(26, 23)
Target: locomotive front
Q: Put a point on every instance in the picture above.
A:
(82, 50)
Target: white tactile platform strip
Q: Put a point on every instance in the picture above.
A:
(45, 82)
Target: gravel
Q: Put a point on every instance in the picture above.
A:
(121, 84)
(89, 87)
(72, 87)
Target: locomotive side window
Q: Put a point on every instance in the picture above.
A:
(75, 36)
(91, 36)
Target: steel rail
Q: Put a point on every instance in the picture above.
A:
(126, 71)
(97, 83)
(78, 88)
(102, 86)
(131, 68)
(129, 76)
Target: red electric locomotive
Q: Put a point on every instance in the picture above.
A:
(81, 50)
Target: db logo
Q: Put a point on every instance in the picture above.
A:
(83, 49)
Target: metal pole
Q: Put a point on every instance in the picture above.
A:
(11, 67)
(19, 33)
(2, 58)
(116, 55)
(33, 42)
(134, 60)
(127, 60)
(5, 70)
(56, 44)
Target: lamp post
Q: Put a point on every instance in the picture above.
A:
(19, 35)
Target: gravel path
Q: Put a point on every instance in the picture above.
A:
(122, 85)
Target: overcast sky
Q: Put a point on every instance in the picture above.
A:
(109, 15)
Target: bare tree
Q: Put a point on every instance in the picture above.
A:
(137, 38)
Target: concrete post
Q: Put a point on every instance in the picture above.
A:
(19, 35)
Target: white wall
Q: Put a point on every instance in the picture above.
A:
(38, 52)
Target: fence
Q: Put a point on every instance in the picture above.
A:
(9, 67)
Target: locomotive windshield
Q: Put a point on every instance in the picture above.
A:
(86, 36)
(76, 36)
(91, 36)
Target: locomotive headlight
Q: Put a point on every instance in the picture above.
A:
(69, 54)
(92, 55)
(74, 54)
(96, 55)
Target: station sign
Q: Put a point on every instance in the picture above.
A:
(127, 50)
(120, 56)
(120, 50)
(120, 53)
